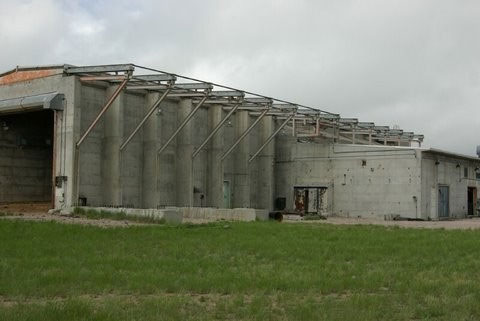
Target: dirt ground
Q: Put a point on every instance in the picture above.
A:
(39, 212)
(37, 207)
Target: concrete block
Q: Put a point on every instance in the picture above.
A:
(261, 215)
(173, 216)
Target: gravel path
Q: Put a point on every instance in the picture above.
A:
(470, 223)
(39, 212)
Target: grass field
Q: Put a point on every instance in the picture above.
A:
(237, 271)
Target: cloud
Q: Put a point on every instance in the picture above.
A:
(404, 62)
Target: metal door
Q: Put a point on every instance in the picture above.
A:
(300, 199)
(443, 202)
(226, 194)
(472, 200)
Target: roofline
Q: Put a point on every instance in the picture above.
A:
(421, 149)
(389, 147)
(30, 68)
(104, 70)
(451, 154)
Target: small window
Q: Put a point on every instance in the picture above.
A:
(364, 162)
(477, 175)
(465, 172)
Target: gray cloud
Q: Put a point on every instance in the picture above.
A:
(409, 63)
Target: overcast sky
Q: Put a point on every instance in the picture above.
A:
(415, 63)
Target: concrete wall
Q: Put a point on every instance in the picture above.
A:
(300, 164)
(228, 164)
(200, 130)
(444, 170)
(241, 170)
(67, 130)
(95, 153)
(136, 178)
(166, 172)
(253, 167)
(265, 162)
(215, 170)
(132, 156)
(196, 215)
(108, 177)
(242, 175)
(375, 182)
(362, 181)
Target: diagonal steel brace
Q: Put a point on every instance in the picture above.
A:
(269, 139)
(245, 133)
(215, 130)
(104, 110)
(145, 118)
(183, 124)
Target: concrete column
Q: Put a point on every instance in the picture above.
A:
(166, 173)
(67, 195)
(241, 183)
(214, 163)
(184, 156)
(285, 172)
(265, 161)
(151, 143)
(200, 129)
(255, 140)
(113, 135)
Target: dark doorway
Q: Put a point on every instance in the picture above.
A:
(472, 200)
(310, 200)
(26, 157)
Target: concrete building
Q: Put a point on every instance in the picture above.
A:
(376, 181)
(132, 136)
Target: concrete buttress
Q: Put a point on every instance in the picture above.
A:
(266, 162)
(113, 136)
(151, 143)
(214, 163)
(184, 156)
(241, 183)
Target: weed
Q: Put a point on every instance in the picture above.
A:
(117, 215)
(314, 217)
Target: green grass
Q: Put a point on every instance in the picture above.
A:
(237, 271)
(117, 215)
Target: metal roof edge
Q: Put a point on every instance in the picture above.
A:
(451, 154)
(51, 100)
(389, 147)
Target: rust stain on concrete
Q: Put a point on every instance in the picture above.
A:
(25, 75)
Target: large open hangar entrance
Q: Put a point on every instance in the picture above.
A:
(27, 131)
